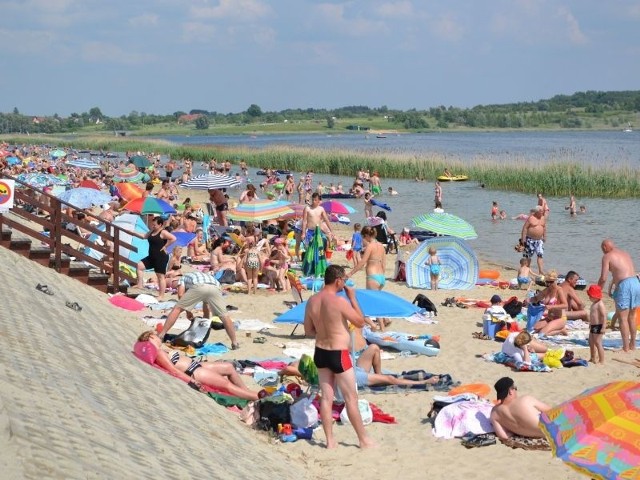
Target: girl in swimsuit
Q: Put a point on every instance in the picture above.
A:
(374, 258)
(174, 268)
(433, 262)
(221, 375)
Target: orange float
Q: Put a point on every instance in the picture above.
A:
(480, 389)
(490, 274)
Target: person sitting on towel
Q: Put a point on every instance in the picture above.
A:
(520, 346)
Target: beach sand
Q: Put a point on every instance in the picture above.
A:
(77, 404)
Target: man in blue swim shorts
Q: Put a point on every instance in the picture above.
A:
(326, 318)
(627, 289)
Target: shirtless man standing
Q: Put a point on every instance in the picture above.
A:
(326, 318)
(576, 310)
(533, 236)
(515, 415)
(627, 289)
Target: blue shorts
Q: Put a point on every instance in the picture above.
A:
(523, 280)
(627, 293)
(362, 377)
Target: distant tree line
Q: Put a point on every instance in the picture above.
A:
(563, 111)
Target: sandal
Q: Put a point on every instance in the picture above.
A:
(235, 346)
(74, 306)
(481, 440)
(461, 305)
(44, 289)
(259, 340)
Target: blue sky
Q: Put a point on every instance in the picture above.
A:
(162, 56)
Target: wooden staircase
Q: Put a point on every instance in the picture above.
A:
(42, 239)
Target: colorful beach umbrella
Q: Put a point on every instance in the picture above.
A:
(259, 210)
(13, 161)
(296, 212)
(150, 206)
(128, 173)
(89, 184)
(83, 197)
(40, 180)
(339, 208)
(129, 191)
(314, 262)
(210, 181)
(57, 153)
(458, 264)
(373, 303)
(374, 221)
(598, 432)
(140, 161)
(84, 163)
(445, 224)
(133, 223)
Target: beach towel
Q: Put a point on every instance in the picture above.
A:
(504, 359)
(254, 325)
(445, 384)
(460, 418)
(212, 349)
(162, 305)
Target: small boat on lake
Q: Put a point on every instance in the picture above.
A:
(453, 178)
(628, 129)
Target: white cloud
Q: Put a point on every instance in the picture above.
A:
(448, 28)
(198, 32)
(27, 42)
(394, 9)
(232, 9)
(145, 20)
(573, 27)
(101, 52)
(336, 18)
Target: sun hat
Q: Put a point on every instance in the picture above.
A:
(595, 291)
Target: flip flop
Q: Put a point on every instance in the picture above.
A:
(74, 306)
(259, 340)
(481, 440)
(231, 308)
(44, 289)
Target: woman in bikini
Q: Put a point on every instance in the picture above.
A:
(555, 299)
(374, 258)
(174, 268)
(219, 374)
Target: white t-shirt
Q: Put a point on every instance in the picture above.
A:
(509, 348)
(497, 311)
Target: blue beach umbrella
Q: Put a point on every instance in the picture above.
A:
(459, 265)
(13, 161)
(40, 180)
(209, 181)
(373, 303)
(182, 240)
(445, 224)
(84, 163)
(57, 153)
(133, 223)
(83, 197)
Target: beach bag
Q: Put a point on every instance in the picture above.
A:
(273, 413)
(303, 413)
(535, 311)
(365, 412)
(513, 307)
(228, 277)
(195, 336)
(423, 302)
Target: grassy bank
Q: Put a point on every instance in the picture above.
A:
(553, 177)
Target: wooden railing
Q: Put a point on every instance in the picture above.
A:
(50, 214)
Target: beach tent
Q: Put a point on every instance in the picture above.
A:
(459, 264)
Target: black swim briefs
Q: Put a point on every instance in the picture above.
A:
(596, 329)
(338, 361)
(222, 207)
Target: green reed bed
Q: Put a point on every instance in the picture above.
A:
(560, 175)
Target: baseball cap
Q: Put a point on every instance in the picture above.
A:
(496, 299)
(594, 291)
(503, 386)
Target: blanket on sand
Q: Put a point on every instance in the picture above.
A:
(504, 359)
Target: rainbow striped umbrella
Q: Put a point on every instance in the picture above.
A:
(149, 206)
(297, 209)
(128, 174)
(259, 210)
(598, 432)
(339, 208)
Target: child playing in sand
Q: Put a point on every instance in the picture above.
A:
(433, 262)
(597, 318)
(356, 244)
(524, 272)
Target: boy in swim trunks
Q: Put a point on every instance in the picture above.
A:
(524, 272)
(597, 316)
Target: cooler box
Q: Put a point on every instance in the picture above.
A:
(489, 327)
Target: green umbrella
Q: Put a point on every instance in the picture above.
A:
(140, 161)
(314, 262)
(445, 224)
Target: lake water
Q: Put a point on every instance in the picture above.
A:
(572, 243)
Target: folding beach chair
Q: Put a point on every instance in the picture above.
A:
(296, 292)
(386, 238)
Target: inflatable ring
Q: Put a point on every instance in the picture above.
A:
(491, 274)
(480, 389)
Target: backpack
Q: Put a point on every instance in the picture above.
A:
(513, 307)
(423, 302)
(273, 413)
(436, 406)
(195, 336)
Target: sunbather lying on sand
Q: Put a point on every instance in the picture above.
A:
(220, 375)
(368, 360)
